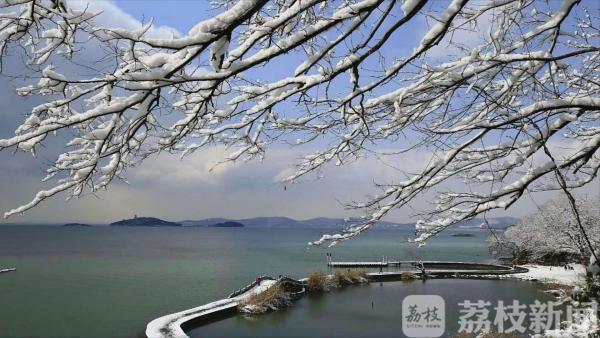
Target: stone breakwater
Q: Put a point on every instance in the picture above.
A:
(172, 325)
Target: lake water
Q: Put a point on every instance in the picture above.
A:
(373, 310)
(109, 281)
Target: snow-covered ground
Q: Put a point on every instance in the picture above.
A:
(576, 277)
(583, 329)
(553, 274)
(263, 286)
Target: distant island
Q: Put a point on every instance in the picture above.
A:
(76, 225)
(145, 221)
(463, 235)
(229, 224)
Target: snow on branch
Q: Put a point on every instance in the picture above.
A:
(514, 78)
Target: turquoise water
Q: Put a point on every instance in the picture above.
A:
(109, 282)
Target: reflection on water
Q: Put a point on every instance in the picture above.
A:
(373, 310)
(110, 282)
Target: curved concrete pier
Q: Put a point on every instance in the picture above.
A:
(170, 325)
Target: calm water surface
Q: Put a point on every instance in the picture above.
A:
(373, 310)
(109, 282)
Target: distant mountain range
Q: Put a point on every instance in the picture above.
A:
(286, 222)
(325, 222)
(280, 222)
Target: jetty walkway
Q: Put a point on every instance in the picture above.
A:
(439, 269)
(173, 325)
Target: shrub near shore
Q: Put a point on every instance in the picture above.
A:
(276, 297)
(272, 299)
(319, 281)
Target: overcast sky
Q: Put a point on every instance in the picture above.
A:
(174, 189)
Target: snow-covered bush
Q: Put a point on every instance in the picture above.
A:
(552, 234)
(487, 90)
(585, 327)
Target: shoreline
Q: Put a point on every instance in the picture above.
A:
(553, 274)
(170, 326)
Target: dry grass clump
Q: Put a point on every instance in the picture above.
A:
(357, 275)
(272, 299)
(349, 277)
(408, 276)
(317, 281)
(339, 279)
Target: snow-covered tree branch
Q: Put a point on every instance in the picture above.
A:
(487, 109)
(552, 234)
